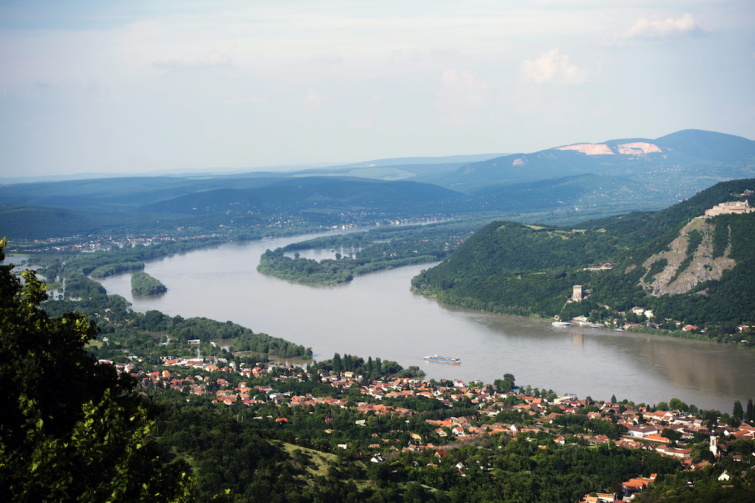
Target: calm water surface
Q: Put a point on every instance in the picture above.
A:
(377, 315)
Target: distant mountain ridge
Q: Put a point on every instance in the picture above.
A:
(560, 185)
(679, 164)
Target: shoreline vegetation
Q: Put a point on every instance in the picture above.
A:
(539, 293)
(153, 332)
(357, 252)
(520, 269)
(243, 339)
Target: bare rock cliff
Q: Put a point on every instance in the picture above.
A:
(679, 269)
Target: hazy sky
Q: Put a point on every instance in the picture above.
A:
(138, 86)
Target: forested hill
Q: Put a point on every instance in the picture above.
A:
(688, 269)
(514, 268)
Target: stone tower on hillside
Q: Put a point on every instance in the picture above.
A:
(576, 294)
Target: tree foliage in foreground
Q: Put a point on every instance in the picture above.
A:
(71, 429)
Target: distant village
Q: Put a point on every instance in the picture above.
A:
(90, 244)
(94, 243)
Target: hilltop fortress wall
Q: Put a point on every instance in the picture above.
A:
(730, 207)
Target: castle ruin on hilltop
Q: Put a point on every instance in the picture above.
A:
(730, 207)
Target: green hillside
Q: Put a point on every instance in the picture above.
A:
(684, 269)
(515, 268)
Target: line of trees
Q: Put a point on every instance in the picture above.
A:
(369, 369)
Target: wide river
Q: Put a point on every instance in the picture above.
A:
(377, 315)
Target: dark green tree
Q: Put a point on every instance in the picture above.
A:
(738, 412)
(337, 363)
(506, 384)
(677, 404)
(71, 429)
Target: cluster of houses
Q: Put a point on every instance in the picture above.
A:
(643, 428)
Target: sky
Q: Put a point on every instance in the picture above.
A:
(150, 86)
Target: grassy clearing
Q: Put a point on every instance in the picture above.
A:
(317, 462)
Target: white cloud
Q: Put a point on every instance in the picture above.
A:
(462, 97)
(552, 67)
(663, 28)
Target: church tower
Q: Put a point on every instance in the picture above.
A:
(714, 445)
